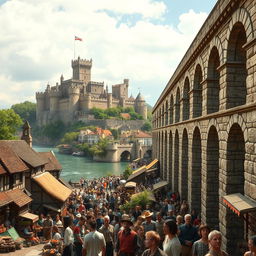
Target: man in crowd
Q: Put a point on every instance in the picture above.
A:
(127, 239)
(94, 242)
(148, 224)
(108, 232)
(188, 235)
(79, 230)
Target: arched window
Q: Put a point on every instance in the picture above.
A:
(213, 82)
(186, 100)
(171, 110)
(177, 106)
(197, 92)
(236, 67)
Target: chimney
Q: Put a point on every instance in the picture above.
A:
(26, 133)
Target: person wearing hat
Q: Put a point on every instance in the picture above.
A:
(148, 224)
(126, 239)
(77, 218)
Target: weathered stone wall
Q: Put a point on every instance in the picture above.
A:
(204, 121)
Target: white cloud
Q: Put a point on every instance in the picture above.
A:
(37, 37)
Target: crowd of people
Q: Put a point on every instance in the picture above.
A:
(94, 224)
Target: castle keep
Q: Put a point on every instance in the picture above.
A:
(72, 99)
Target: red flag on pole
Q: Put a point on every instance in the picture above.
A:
(78, 38)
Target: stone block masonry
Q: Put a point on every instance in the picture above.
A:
(204, 120)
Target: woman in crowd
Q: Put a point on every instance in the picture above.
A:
(152, 242)
(252, 246)
(140, 240)
(215, 240)
(171, 244)
(200, 247)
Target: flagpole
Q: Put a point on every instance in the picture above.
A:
(74, 48)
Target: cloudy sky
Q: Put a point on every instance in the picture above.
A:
(143, 40)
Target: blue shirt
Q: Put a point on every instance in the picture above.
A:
(188, 233)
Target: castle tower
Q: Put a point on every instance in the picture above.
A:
(82, 70)
(74, 94)
(26, 133)
(54, 102)
(109, 98)
(140, 106)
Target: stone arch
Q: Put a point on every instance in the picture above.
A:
(235, 180)
(165, 154)
(169, 174)
(236, 71)
(125, 156)
(239, 120)
(196, 183)
(212, 179)
(171, 110)
(159, 147)
(199, 61)
(184, 166)
(186, 107)
(197, 91)
(243, 16)
(216, 42)
(163, 112)
(213, 82)
(214, 123)
(177, 106)
(166, 112)
(175, 178)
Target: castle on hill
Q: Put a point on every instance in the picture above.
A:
(75, 97)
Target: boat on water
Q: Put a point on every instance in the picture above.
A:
(79, 153)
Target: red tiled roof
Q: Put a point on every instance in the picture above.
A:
(52, 161)
(141, 134)
(25, 152)
(10, 160)
(19, 197)
(107, 132)
(125, 115)
(4, 199)
(2, 170)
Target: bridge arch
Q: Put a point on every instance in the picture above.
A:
(125, 156)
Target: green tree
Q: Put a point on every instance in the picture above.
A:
(54, 131)
(147, 126)
(115, 133)
(26, 110)
(9, 124)
(99, 148)
(69, 137)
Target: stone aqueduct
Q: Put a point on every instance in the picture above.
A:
(205, 119)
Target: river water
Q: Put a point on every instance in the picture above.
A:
(73, 168)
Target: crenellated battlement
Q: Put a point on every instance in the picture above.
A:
(40, 95)
(55, 93)
(96, 83)
(74, 89)
(81, 62)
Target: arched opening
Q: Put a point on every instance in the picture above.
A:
(236, 67)
(177, 106)
(212, 179)
(169, 177)
(184, 167)
(235, 184)
(197, 92)
(186, 100)
(166, 112)
(213, 82)
(162, 155)
(171, 110)
(163, 115)
(125, 156)
(165, 156)
(148, 154)
(196, 183)
(175, 178)
(159, 147)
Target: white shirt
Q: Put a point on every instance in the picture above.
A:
(172, 247)
(93, 243)
(57, 236)
(68, 236)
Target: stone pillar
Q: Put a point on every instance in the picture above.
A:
(204, 85)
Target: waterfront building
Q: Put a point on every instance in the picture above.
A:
(93, 137)
(204, 132)
(72, 99)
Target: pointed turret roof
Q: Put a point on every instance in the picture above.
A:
(131, 97)
(139, 97)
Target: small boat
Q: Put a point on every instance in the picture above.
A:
(78, 154)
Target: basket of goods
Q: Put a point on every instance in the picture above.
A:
(55, 243)
(7, 244)
(50, 252)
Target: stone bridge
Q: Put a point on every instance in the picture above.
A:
(125, 152)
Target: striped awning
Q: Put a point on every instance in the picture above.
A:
(239, 203)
